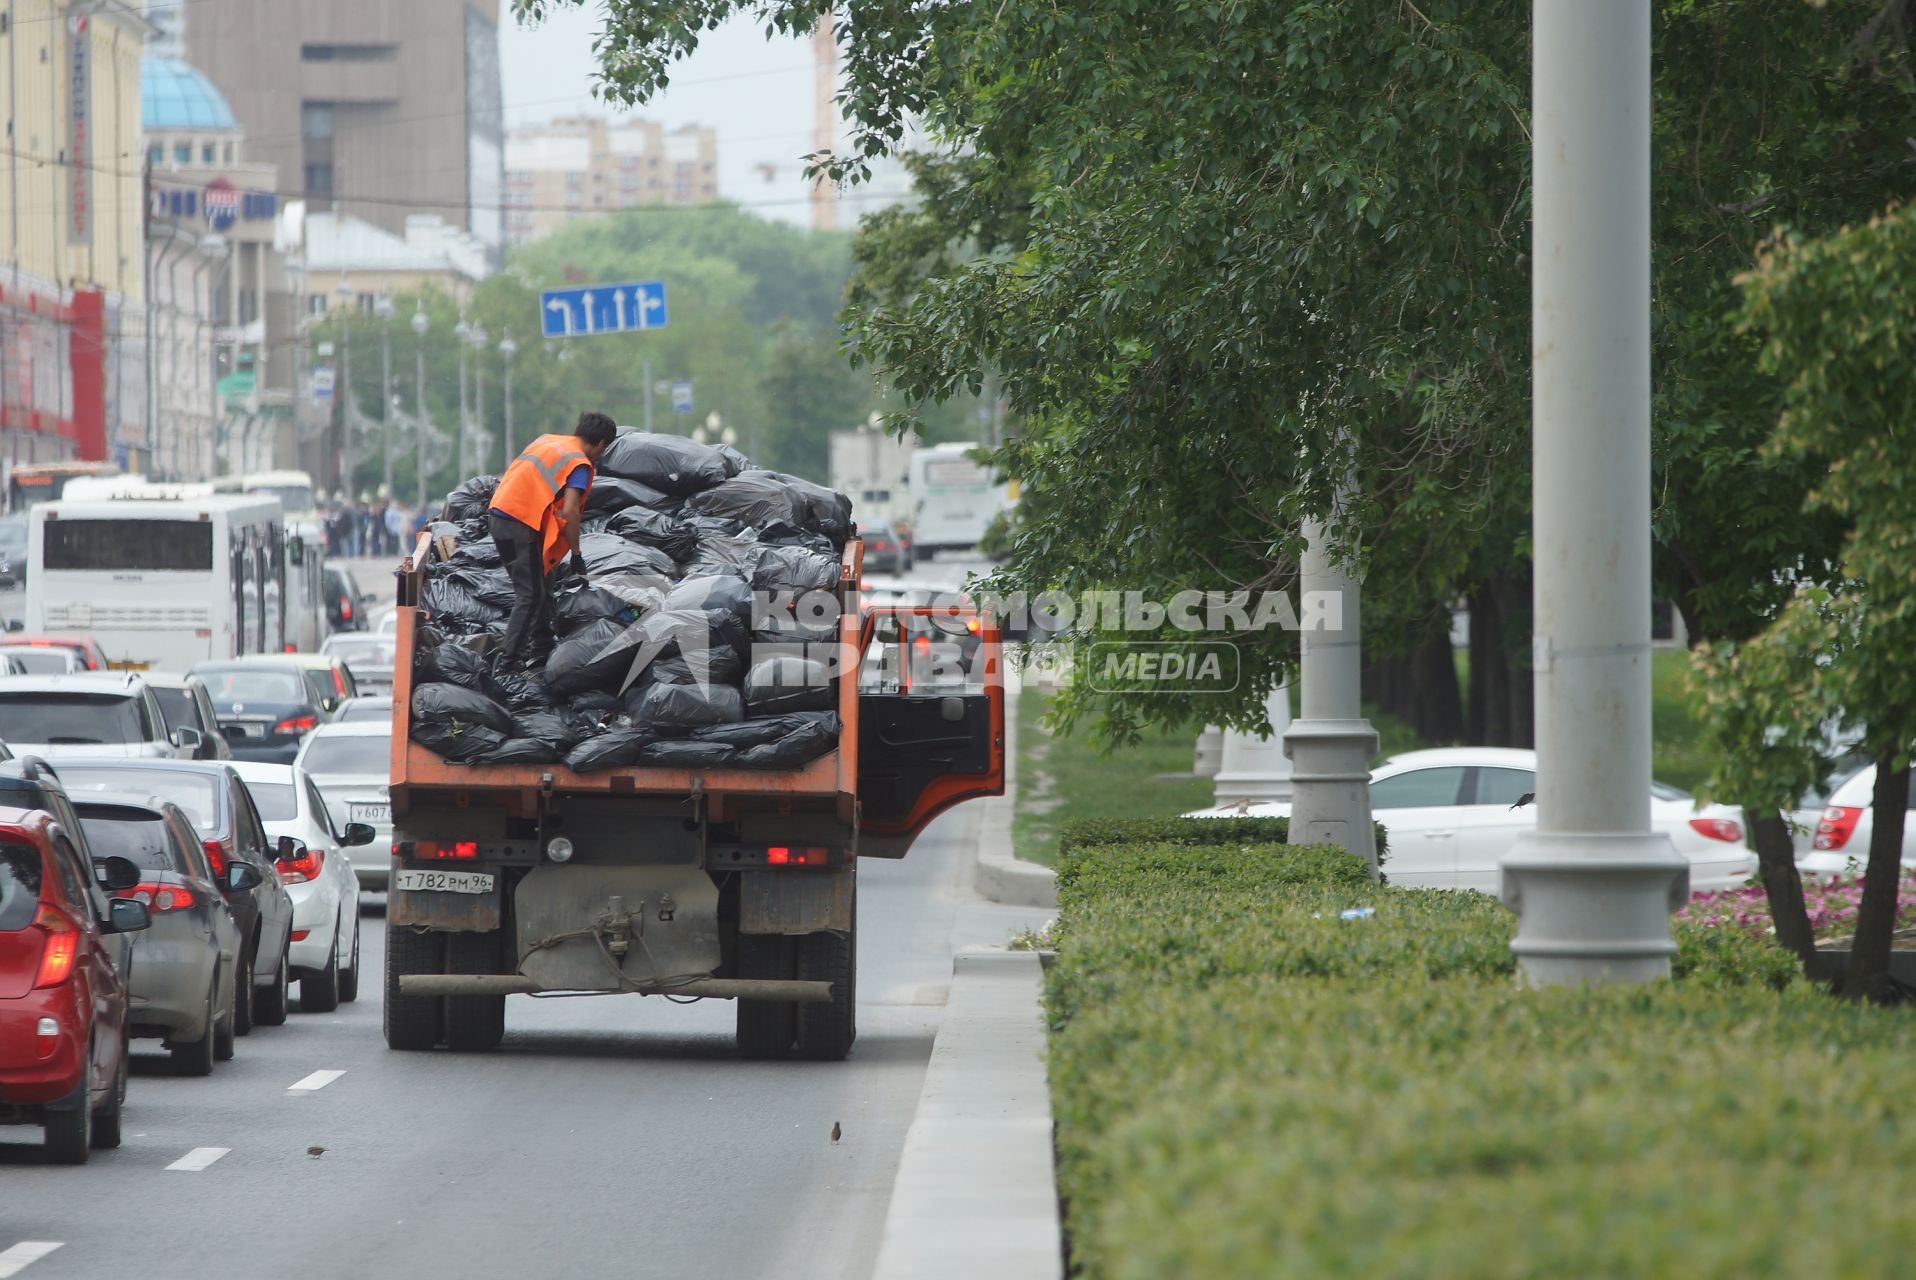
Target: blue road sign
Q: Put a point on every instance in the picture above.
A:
(602, 308)
(681, 397)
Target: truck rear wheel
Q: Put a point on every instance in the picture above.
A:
(413, 1022)
(766, 1028)
(474, 1023)
(825, 1031)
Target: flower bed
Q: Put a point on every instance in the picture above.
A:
(1832, 906)
(1248, 1083)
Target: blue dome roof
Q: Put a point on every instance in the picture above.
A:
(174, 95)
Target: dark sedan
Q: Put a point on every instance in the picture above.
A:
(230, 831)
(345, 602)
(266, 706)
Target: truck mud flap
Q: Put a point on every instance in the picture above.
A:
(450, 912)
(796, 901)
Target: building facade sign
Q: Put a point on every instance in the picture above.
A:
(79, 129)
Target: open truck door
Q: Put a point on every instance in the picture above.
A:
(931, 720)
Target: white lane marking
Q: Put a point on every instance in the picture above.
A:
(317, 1080)
(198, 1158)
(15, 1260)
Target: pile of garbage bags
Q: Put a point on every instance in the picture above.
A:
(648, 660)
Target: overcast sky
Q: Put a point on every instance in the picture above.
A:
(756, 92)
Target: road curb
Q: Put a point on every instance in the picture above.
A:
(975, 1193)
(1001, 876)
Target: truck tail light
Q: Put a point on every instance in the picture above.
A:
(1836, 826)
(435, 850)
(811, 855)
(61, 946)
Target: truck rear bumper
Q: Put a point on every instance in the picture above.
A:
(509, 984)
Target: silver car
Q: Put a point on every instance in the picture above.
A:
(351, 765)
(369, 657)
(181, 979)
(98, 714)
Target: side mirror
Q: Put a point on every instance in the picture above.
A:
(16, 624)
(188, 739)
(123, 915)
(289, 850)
(115, 872)
(241, 876)
(358, 833)
(329, 704)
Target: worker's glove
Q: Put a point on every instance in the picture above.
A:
(578, 564)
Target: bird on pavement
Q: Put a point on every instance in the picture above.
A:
(1524, 799)
(315, 1152)
(837, 1132)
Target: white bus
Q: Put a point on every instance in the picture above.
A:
(161, 582)
(954, 499)
(306, 621)
(294, 489)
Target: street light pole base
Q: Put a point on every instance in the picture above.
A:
(1593, 909)
(1330, 784)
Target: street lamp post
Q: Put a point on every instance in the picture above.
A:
(345, 390)
(296, 278)
(478, 338)
(214, 245)
(507, 349)
(462, 335)
(383, 308)
(419, 326)
(1593, 886)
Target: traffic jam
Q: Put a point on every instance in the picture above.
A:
(195, 720)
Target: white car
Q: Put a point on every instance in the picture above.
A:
(325, 890)
(1452, 813)
(388, 624)
(351, 765)
(1836, 840)
(370, 708)
(96, 715)
(368, 657)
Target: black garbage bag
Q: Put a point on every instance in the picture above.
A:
(610, 749)
(819, 509)
(716, 590)
(596, 656)
(759, 732)
(426, 637)
(779, 533)
(686, 754)
(451, 601)
(754, 498)
(668, 533)
(575, 605)
(812, 735)
(472, 499)
(451, 664)
(785, 683)
(607, 553)
(518, 691)
(792, 570)
(673, 710)
(459, 741)
(611, 494)
(550, 727)
(708, 639)
(722, 542)
(735, 461)
(522, 751)
(719, 665)
(593, 522)
(593, 702)
(480, 554)
(448, 704)
(670, 464)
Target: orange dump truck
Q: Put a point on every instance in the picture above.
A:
(721, 883)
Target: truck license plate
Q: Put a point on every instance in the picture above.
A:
(444, 881)
(373, 813)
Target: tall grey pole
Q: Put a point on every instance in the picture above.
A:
(1330, 743)
(419, 327)
(1593, 886)
(478, 399)
(648, 393)
(460, 332)
(507, 349)
(385, 309)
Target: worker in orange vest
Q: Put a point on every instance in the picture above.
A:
(535, 518)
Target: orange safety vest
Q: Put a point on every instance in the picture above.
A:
(529, 491)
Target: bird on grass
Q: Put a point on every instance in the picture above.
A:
(837, 1132)
(1524, 799)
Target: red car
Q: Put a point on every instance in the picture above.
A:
(83, 648)
(63, 1032)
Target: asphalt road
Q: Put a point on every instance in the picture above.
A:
(610, 1135)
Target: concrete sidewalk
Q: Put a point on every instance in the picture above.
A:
(975, 1194)
(1001, 875)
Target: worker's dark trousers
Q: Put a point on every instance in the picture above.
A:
(520, 549)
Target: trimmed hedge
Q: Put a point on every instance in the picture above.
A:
(1096, 831)
(1248, 1084)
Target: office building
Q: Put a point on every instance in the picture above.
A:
(582, 166)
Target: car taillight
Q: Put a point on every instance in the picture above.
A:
(297, 724)
(303, 868)
(345, 607)
(1837, 824)
(62, 945)
(216, 854)
(974, 626)
(1718, 829)
(339, 680)
(161, 898)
